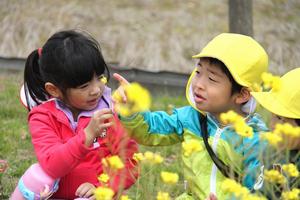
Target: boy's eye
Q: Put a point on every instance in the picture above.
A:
(211, 79)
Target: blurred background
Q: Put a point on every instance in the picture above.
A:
(154, 35)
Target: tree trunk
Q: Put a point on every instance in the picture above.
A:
(240, 17)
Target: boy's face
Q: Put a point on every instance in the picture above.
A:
(288, 141)
(276, 119)
(212, 89)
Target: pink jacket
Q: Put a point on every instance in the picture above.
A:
(62, 154)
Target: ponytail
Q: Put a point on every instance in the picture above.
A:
(34, 84)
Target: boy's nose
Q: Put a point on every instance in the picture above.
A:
(200, 82)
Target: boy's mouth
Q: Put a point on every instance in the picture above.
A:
(199, 98)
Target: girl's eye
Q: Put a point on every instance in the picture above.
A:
(82, 86)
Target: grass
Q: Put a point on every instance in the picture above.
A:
(16, 148)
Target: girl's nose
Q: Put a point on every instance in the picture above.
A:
(95, 90)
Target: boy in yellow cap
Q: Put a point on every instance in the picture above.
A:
(229, 66)
(284, 104)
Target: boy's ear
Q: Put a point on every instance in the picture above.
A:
(53, 90)
(243, 96)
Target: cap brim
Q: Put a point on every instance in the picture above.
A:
(271, 102)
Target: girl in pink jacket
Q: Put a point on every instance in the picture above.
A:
(74, 129)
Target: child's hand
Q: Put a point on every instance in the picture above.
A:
(121, 90)
(86, 190)
(100, 120)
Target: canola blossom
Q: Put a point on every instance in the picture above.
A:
(169, 177)
(138, 99)
(270, 81)
(291, 170)
(103, 193)
(294, 194)
(114, 162)
(149, 157)
(190, 147)
(163, 196)
(238, 123)
(125, 197)
(272, 138)
(274, 176)
(287, 129)
(104, 178)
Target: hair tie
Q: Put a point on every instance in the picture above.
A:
(39, 51)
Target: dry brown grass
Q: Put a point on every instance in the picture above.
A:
(150, 34)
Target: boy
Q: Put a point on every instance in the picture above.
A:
(228, 68)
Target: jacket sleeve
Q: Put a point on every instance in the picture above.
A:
(56, 157)
(253, 150)
(125, 148)
(154, 128)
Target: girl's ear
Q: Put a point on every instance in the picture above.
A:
(243, 96)
(53, 90)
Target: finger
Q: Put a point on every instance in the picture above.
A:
(101, 112)
(89, 193)
(106, 125)
(105, 118)
(78, 191)
(121, 79)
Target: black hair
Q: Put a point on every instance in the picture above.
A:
(68, 59)
(235, 86)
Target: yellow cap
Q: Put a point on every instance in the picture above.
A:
(285, 101)
(243, 56)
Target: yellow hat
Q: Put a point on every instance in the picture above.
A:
(243, 56)
(285, 101)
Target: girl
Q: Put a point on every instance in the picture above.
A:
(76, 128)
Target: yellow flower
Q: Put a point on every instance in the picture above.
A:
(157, 159)
(271, 82)
(287, 129)
(231, 186)
(191, 146)
(291, 195)
(125, 197)
(149, 155)
(104, 178)
(138, 157)
(254, 197)
(138, 100)
(103, 79)
(291, 170)
(274, 176)
(273, 139)
(238, 123)
(168, 177)
(115, 162)
(103, 193)
(163, 196)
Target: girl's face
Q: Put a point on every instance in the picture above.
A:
(212, 89)
(85, 96)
